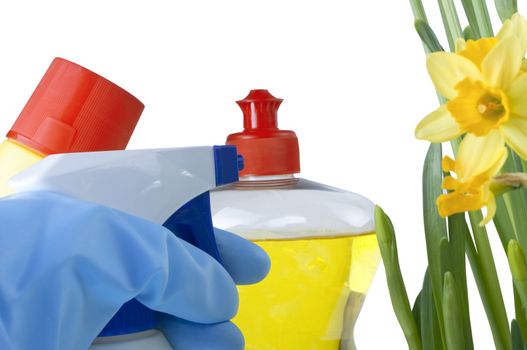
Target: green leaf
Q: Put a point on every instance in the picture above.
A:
(506, 8)
(396, 287)
(482, 16)
(428, 36)
(451, 22)
(490, 285)
(503, 223)
(472, 19)
(515, 203)
(516, 336)
(430, 334)
(457, 231)
(418, 10)
(477, 271)
(435, 226)
(518, 265)
(416, 311)
(521, 320)
(455, 339)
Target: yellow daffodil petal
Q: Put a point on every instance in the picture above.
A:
(477, 154)
(449, 183)
(438, 126)
(448, 164)
(502, 64)
(496, 167)
(517, 94)
(457, 202)
(447, 69)
(477, 50)
(491, 210)
(515, 132)
(516, 25)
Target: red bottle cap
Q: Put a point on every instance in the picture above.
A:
(75, 110)
(266, 149)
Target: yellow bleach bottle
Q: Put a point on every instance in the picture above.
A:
(71, 110)
(320, 240)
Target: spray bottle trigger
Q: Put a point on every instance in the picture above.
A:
(193, 223)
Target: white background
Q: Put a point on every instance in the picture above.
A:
(352, 74)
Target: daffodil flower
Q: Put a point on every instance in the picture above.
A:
(486, 91)
(471, 189)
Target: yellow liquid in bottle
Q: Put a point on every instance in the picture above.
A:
(312, 296)
(14, 158)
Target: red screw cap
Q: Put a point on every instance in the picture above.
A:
(266, 149)
(75, 110)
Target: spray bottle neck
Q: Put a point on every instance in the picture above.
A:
(271, 181)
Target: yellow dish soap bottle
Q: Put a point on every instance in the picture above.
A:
(320, 240)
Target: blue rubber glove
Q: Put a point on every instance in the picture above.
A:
(66, 267)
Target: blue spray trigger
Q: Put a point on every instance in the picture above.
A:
(226, 164)
(193, 223)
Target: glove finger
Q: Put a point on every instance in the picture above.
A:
(190, 285)
(246, 262)
(182, 334)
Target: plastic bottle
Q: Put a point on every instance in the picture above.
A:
(71, 110)
(320, 239)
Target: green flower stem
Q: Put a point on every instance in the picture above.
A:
(492, 288)
(516, 201)
(521, 319)
(418, 10)
(506, 8)
(483, 19)
(503, 223)
(455, 339)
(518, 265)
(516, 336)
(450, 22)
(396, 287)
(428, 323)
(457, 231)
(472, 19)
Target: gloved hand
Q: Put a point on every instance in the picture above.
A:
(66, 266)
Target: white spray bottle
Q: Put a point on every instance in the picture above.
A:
(167, 186)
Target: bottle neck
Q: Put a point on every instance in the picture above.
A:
(282, 180)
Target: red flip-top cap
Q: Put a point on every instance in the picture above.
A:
(266, 149)
(75, 110)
